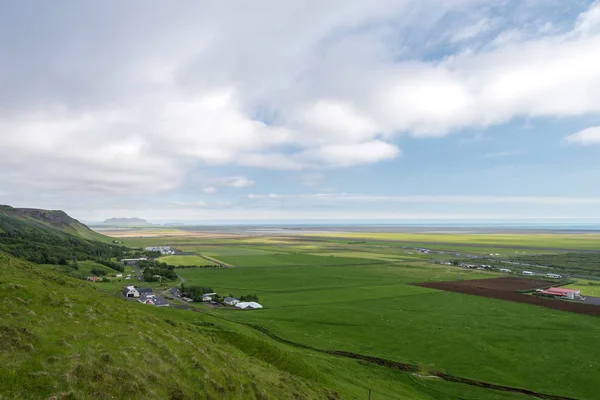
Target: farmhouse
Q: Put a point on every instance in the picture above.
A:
(570, 294)
(93, 279)
(131, 291)
(153, 300)
(506, 270)
(208, 296)
(230, 301)
(528, 273)
(145, 291)
(119, 275)
(248, 305)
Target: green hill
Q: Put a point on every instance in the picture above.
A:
(62, 338)
(51, 237)
(55, 219)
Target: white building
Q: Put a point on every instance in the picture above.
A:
(248, 305)
(528, 273)
(130, 291)
(208, 296)
(553, 276)
(230, 301)
(506, 270)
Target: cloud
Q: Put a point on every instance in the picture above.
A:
(588, 136)
(235, 182)
(335, 85)
(209, 190)
(311, 180)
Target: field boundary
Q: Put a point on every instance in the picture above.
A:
(410, 368)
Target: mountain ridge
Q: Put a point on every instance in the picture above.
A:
(126, 222)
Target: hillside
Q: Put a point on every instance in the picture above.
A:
(125, 222)
(51, 237)
(61, 338)
(55, 219)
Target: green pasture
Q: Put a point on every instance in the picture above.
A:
(183, 260)
(373, 309)
(281, 259)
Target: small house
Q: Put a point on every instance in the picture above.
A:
(93, 279)
(528, 273)
(230, 301)
(208, 296)
(119, 275)
(553, 276)
(505, 270)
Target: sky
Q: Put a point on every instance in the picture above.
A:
(266, 110)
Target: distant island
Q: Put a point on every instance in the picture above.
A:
(126, 222)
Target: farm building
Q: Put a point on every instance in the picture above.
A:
(506, 270)
(93, 279)
(248, 305)
(553, 276)
(230, 301)
(164, 250)
(208, 296)
(570, 294)
(528, 273)
(153, 300)
(131, 291)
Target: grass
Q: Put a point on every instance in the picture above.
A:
(63, 340)
(587, 287)
(281, 259)
(372, 309)
(183, 260)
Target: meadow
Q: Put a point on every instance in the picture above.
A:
(356, 296)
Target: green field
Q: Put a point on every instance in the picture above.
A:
(183, 260)
(352, 292)
(587, 287)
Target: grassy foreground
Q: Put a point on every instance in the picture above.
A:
(62, 339)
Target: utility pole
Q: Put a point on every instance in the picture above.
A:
(369, 394)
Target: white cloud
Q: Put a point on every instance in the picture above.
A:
(209, 190)
(334, 84)
(586, 136)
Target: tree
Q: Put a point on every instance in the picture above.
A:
(74, 264)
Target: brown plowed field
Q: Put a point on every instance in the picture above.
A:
(505, 289)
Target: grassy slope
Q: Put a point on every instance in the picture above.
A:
(61, 339)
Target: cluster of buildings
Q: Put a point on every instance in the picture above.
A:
(503, 270)
(145, 296)
(164, 250)
(228, 301)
